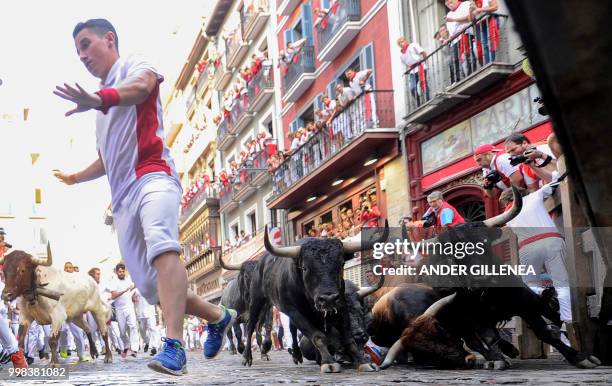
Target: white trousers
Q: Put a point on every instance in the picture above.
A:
(548, 255)
(7, 337)
(128, 327)
(114, 335)
(70, 329)
(192, 339)
(148, 326)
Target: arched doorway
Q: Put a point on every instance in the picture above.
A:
(469, 202)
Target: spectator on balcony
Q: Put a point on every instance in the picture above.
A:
(413, 56)
(458, 20)
(227, 247)
(321, 21)
(358, 81)
(244, 237)
(496, 168)
(290, 55)
(369, 215)
(236, 242)
(263, 138)
(246, 75)
(266, 66)
(295, 140)
(540, 163)
(487, 29)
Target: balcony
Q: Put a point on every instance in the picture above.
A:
(224, 135)
(227, 198)
(364, 128)
(205, 262)
(236, 49)
(456, 70)
(203, 80)
(300, 75)
(191, 101)
(260, 90)
(254, 20)
(208, 196)
(254, 173)
(286, 7)
(222, 76)
(338, 29)
(240, 116)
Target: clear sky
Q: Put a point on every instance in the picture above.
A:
(38, 53)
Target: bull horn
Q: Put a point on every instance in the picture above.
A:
(366, 291)
(293, 251)
(49, 293)
(229, 267)
(440, 304)
(356, 246)
(502, 219)
(44, 262)
(394, 351)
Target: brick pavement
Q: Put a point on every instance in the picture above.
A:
(227, 369)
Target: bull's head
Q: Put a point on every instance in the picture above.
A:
(320, 263)
(245, 276)
(430, 342)
(359, 315)
(20, 272)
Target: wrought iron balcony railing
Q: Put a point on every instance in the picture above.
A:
(370, 110)
(343, 11)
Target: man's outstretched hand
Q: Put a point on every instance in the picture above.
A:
(83, 99)
(68, 179)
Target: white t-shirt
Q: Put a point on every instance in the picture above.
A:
(130, 139)
(413, 56)
(360, 76)
(533, 218)
(118, 285)
(347, 95)
(192, 324)
(462, 11)
(142, 307)
(501, 163)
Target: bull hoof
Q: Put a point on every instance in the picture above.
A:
(368, 367)
(330, 368)
(265, 357)
(296, 354)
(247, 360)
(108, 359)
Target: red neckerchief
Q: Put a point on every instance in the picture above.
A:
(327, 103)
(404, 48)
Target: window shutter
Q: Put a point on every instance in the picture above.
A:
(366, 60)
(307, 22)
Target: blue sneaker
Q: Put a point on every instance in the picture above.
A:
(217, 332)
(170, 359)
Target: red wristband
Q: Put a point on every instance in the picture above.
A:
(110, 98)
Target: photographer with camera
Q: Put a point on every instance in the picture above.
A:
(440, 213)
(369, 214)
(496, 169)
(536, 162)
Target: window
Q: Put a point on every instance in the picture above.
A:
(252, 217)
(326, 217)
(364, 59)
(234, 230)
(303, 27)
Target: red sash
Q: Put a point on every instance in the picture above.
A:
(494, 34)
(464, 45)
(422, 79)
(539, 237)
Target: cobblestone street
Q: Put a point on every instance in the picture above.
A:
(227, 369)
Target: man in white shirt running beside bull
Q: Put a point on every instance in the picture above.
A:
(145, 188)
(145, 314)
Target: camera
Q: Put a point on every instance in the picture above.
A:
(429, 219)
(492, 178)
(518, 159)
(8, 246)
(542, 110)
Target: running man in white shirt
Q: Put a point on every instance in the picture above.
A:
(145, 188)
(121, 293)
(145, 314)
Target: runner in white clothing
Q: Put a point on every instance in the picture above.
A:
(121, 293)
(145, 188)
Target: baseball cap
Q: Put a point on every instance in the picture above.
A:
(484, 149)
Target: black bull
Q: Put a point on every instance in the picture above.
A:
(305, 282)
(478, 304)
(360, 319)
(237, 296)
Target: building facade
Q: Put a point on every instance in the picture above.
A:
(356, 157)
(245, 106)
